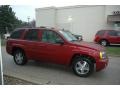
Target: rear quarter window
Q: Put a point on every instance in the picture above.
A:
(16, 34)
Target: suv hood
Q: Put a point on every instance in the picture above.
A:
(89, 45)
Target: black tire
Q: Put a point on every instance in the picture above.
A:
(89, 65)
(23, 59)
(104, 42)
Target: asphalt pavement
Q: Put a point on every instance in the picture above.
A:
(44, 73)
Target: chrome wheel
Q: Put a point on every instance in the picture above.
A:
(19, 57)
(82, 67)
(103, 42)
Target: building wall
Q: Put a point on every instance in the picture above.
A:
(46, 17)
(83, 20)
(109, 11)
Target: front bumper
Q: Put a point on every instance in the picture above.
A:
(101, 64)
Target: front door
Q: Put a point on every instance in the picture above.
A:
(53, 51)
(113, 37)
(118, 34)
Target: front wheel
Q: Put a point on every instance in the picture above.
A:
(19, 57)
(82, 66)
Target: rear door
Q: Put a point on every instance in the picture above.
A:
(31, 43)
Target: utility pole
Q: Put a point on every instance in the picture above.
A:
(28, 20)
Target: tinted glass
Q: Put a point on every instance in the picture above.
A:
(100, 33)
(118, 33)
(31, 35)
(112, 33)
(68, 35)
(16, 34)
(50, 36)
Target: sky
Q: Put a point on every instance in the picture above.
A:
(24, 11)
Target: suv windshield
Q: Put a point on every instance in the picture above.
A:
(68, 35)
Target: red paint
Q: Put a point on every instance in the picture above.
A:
(56, 53)
(110, 39)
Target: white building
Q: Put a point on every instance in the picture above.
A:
(84, 20)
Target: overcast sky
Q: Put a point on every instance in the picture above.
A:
(24, 11)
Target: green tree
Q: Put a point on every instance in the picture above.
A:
(7, 19)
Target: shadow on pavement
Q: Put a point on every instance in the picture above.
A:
(51, 66)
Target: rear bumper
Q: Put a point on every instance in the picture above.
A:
(9, 50)
(101, 64)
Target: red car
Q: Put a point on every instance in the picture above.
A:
(56, 46)
(107, 37)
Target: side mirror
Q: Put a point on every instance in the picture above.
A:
(60, 42)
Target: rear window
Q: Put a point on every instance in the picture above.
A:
(16, 34)
(100, 33)
(32, 35)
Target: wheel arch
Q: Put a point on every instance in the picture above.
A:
(105, 40)
(17, 48)
(81, 55)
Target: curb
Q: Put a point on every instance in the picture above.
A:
(111, 55)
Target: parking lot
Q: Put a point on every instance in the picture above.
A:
(42, 73)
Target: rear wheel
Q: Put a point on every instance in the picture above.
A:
(82, 66)
(19, 57)
(104, 42)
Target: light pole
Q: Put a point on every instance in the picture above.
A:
(28, 19)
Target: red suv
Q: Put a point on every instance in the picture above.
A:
(56, 46)
(107, 37)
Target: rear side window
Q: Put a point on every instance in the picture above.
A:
(100, 33)
(31, 35)
(16, 34)
(112, 33)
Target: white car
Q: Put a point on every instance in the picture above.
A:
(6, 35)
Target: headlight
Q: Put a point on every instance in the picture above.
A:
(103, 55)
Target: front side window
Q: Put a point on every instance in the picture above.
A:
(31, 35)
(118, 33)
(50, 37)
(16, 34)
(112, 33)
(68, 35)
